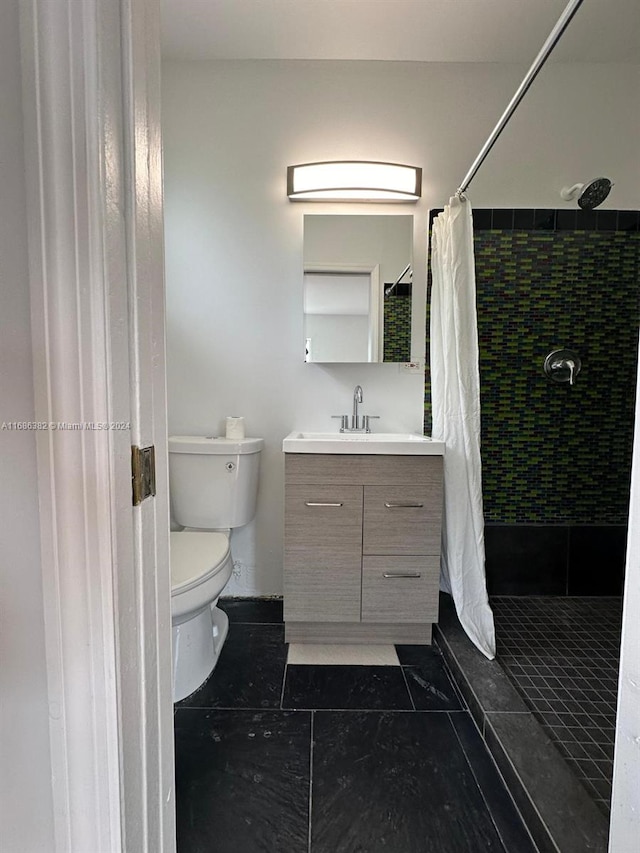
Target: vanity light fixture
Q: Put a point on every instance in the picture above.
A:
(354, 180)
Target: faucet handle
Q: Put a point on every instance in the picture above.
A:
(344, 421)
(366, 419)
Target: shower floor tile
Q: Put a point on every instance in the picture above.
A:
(562, 654)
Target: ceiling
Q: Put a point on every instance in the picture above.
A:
(401, 30)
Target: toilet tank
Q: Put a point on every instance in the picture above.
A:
(213, 482)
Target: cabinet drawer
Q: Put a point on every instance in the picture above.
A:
(402, 520)
(357, 469)
(387, 596)
(322, 556)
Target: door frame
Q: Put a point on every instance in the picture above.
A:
(91, 99)
(375, 336)
(624, 827)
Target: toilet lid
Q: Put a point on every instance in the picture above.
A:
(195, 556)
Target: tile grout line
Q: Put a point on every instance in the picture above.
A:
(274, 709)
(284, 681)
(509, 761)
(479, 786)
(406, 684)
(313, 716)
(446, 649)
(456, 690)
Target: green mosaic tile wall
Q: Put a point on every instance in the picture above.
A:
(397, 328)
(553, 453)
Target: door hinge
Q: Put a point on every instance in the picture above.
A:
(143, 473)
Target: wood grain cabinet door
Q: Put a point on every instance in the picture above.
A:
(322, 553)
(400, 589)
(402, 520)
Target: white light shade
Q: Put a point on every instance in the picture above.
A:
(354, 180)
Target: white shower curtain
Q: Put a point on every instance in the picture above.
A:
(455, 394)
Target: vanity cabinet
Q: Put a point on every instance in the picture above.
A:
(362, 547)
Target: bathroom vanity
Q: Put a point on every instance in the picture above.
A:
(362, 538)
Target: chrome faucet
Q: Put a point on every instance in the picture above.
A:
(357, 398)
(359, 423)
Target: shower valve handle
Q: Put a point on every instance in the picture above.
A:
(562, 365)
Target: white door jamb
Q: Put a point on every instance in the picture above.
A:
(92, 153)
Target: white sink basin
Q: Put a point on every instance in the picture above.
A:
(390, 443)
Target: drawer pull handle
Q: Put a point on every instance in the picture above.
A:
(402, 575)
(402, 505)
(312, 503)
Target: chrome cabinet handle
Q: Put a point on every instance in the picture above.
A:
(314, 503)
(402, 505)
(402, 575)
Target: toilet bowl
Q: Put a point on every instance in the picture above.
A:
(213, 484)
(201, 566)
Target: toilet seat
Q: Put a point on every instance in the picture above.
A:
(195, 558)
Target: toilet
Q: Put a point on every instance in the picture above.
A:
(213, 483)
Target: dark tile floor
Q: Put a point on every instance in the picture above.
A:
(563, 656)
(309, 759)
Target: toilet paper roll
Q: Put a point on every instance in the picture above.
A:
(235, 428)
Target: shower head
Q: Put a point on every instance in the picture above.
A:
(589, 195)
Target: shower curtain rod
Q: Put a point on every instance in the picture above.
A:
(554, 37)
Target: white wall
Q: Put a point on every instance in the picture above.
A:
(337, 337)
(25, 785)
(383, 240)
(234, 241)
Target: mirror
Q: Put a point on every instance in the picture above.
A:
(349, 263)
